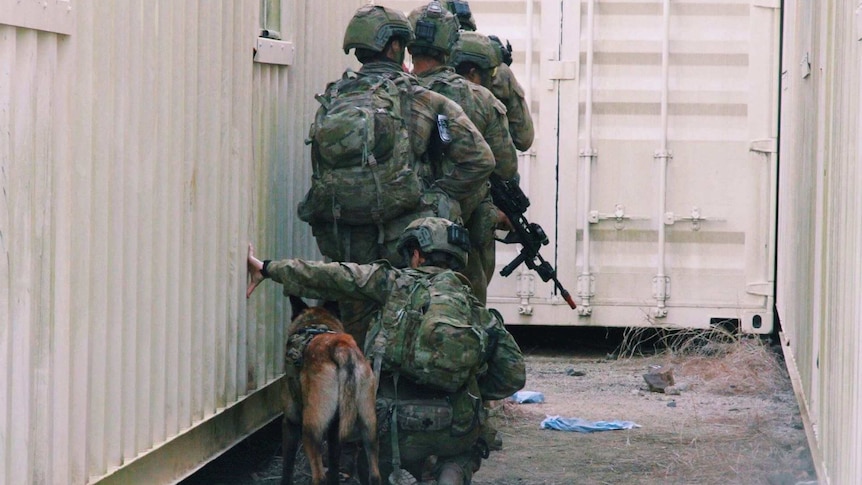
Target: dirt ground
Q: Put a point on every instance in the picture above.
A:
(734, 421)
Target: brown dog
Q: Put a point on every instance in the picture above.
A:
(330, 393)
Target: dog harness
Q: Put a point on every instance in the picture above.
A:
(298, 342)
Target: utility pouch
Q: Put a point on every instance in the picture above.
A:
(424, 415)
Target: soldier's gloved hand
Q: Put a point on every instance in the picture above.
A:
(255, 271)
(503, 222)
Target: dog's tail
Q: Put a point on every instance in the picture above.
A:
(345, 357)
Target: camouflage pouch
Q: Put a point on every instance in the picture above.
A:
(506, 371)
(424, 415)
(467, 410)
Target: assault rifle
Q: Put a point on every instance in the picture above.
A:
(510, 199)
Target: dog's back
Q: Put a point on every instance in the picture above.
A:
(330, 396)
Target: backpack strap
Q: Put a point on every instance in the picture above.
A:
(393, 427)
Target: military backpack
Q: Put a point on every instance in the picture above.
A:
(434, 338)
(361, 153)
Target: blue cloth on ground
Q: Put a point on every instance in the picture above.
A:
(524, 397)
(584, 426)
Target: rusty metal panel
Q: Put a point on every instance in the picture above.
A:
(819, 233)
(141, 149)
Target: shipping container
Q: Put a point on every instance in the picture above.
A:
(653, 171)
(143, 145)
(819, 289)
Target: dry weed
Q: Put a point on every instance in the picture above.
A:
(717, 359)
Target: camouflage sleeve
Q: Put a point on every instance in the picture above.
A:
(507, 89)
(332, 281)
(471, 157)
(497, 135)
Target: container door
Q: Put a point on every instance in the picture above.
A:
(653, 169)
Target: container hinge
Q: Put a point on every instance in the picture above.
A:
(560, 71)
(763, 288)
(695, 218)
(661, 292)
(766, 145)
(618, 216)
(589, 153)
(526, 290)
(663, 154)
(586, 290)
(586, 286)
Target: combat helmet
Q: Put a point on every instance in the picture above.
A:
(435, 29)
(461, 9)
(373, 25)
(436, 235)
(475, 48)
(504, 52)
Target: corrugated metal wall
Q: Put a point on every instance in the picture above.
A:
(140, 150)
(820, 234)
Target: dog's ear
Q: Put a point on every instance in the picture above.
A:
(332, 307)
(297, 306)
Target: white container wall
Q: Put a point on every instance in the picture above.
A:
(141, 148)
(819, 229)
(653, 169)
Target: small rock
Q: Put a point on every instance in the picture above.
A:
(672, 390)
(658, 378)
(671, 404)
(683, 386)
(577, 373)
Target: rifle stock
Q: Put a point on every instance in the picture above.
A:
(512, 201)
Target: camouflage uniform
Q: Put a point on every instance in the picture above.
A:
(437, 34)
(475, 51)
(435, 428)
(383, 286)
(507, 89)
(505, 86)
(479, 214)
(469, 160)
(369, 32)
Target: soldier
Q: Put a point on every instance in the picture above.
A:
(379, 36)
(473, 58)
(426, 121)
(504, 85)
(436, 32)
(431, 433)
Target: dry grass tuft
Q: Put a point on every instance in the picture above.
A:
(746, 366)
(718, 359)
